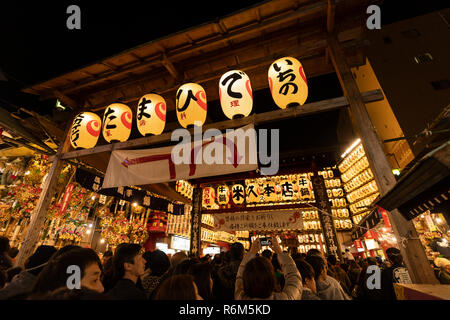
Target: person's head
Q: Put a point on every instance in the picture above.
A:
(55, 274)
(394, 256)
(201, 272)
(226, 257)
(36, 262)
(276, 265)
(371, 261)
(158, 262)
(183, 267)
(107, 255)
(332, 259)
(307, 273)
(319, 267)
(267, 254)
(65, 293)
(177, 258)
(259, 278)
(178, 287)
(237, 251)
(4, 245)
(13, 252)
(128, 262)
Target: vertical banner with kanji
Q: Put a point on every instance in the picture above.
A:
(66, 199)
(196, 221)
(326, 220)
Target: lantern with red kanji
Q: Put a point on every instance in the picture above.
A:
(287, 82)
(208, 198)
(117, 121)
(151, 114)
(235, 94)
(85, 130)
(191, 105)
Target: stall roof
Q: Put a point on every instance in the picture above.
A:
(431, 170)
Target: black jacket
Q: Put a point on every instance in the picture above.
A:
(126, 289)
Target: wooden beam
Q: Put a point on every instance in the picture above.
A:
(40, 211)
(331, 10)
(266, 117)
(67, 101)
(409, 242)
(170, 67)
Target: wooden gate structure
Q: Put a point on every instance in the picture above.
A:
(326, 36)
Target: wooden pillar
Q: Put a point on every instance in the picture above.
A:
(410, 246)
(48, 191)
(196, 221)
(326, 221)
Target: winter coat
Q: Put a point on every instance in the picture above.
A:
(225, 281)
(20, 286)
(330, 289)
(307, 294)
(293, 281)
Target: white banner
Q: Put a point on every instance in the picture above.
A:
(222, 154)
(259, 221)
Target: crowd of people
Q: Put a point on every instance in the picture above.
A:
(129, 273)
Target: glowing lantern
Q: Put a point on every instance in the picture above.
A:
(269, 191)
(287, 190)
(251, 192)
(238, 193)
(117, 122)
(208, 197)
(223, 194)
(151, 114)
(191, 104)
(305, 188)
(287, 82)
(85, 130)
(235, 94)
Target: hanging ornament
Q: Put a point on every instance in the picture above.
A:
(238, 194)
(223, 194)
(117, 122)
(191, 105)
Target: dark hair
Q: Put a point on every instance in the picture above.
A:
(65, 293)
(40, 257)
(13, 252)
(267, 254)
(158, 262)
(4, 245)
(317, 264)
(183, 266)
(178, 258)
(259, 278)
(54, 275)
(353, 265)
(394, 255)
(305, 269)
(125, 253)
(237, 251)
(202, 274)
(332, 259)
(313, 252)
(177, 287)
(371, 261)
(108, 253)
(11, 272)
(275, 262)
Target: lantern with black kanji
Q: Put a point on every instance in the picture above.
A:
(287, 82)
(223, 195)
(191, 105)
(251, 191)
(304, 188)
(117, 121)
(85, 130)
(287, 189)
(268, 188)
(238, 193)
(235, 94)
(151, 114)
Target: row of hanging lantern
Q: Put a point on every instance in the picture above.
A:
(287, 82)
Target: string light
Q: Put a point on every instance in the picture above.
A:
(351, 148)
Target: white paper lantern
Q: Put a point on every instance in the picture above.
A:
(223, 194)
(191, 104)
(287, 82)
(235, 94)
(117, 121)
(252, 192)
(85, 130)
(151, 114)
